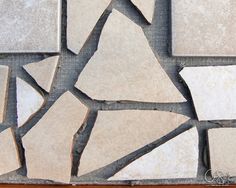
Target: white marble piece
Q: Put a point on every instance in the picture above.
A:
(118, 133)
(177, 158)
(48, 145)
(4, 81)
(222, 148)
(203, 27)
(29, 101)
(213, 91)
(9, 153)
(30, 26)
(125, 68)
(146, 7)
(82, 16)
(43, 72)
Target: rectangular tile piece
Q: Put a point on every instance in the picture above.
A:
(30, 26)
(203, 27)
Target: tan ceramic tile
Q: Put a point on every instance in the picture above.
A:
(118, 133)
(4, 79)
(177, 158)
(125, 68)
(82, 16)
(203, 27)
(9, 153)
(48, 145)
(43, 72)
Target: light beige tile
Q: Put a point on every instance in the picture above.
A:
(125, 68)
(43, 72)
(118, 133)
(177, 158)
(48, 145)
(82, 16)
(203, 27)
(9, 153)
(4, 79)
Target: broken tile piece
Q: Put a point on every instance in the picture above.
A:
(177, 158)
(125, 68)
(129, 130)
(146, 7)
(4, 81)
(222, 151)
(203, 27)
(48, 145)
(29, 101)
(82, 17)
(30, 26)
(43, 72)
(9, 153)
(213, 90)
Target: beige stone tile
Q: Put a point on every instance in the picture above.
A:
(125, 68)
(146, 7)
(118, 133)
(48, 145)
(82, 17)
(177, 158)
(4, 79)
(222, 151)
(43, 72)
(213, 90)
(29, 101)
(9, 153)
(203, 27)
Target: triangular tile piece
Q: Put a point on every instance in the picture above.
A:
(146, 7)
(43, 72)
(29, 101)
(48, 145)
(213, 89)
(9, 154)
(82, 17)
(4, 81)
(177, 158)
(125, 68)
(119, 133)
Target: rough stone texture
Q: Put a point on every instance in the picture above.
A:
(213, 90)
(82, 17)
(30, 26)
(43, 72)
(146, 7)
(125, 68)
(118, 133)
(4, 82)
(48, 145)
(9, 157)
(203, 27)
(222, 151)
(177, 158)
(29, 101)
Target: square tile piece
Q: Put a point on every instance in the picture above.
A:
(203, 27)
(30, 26)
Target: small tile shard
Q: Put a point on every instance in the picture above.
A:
(125, 68)
(9, 153)
(82, 17)
(177, 158)
(43, 72)
(29, 101)
(213, 89)
(146, 7)
(4, 82)
(129, 130)
(48, 145)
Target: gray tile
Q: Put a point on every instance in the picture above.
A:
(30, 26)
